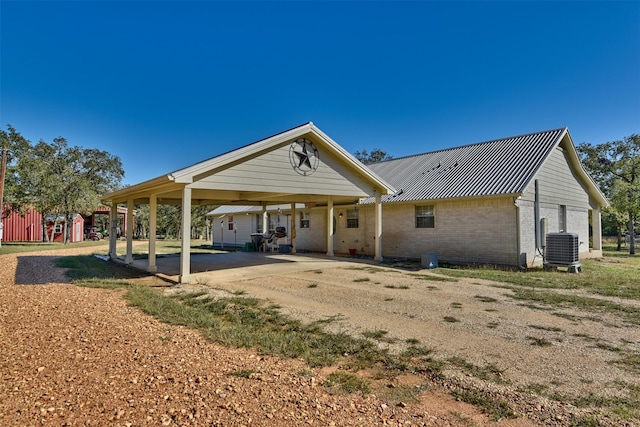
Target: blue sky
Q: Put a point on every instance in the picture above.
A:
(165, 84)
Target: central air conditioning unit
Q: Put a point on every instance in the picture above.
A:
(562, 250)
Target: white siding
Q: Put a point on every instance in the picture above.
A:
(272, 172)
(558, 184)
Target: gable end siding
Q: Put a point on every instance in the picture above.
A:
(272, 172)
(558, 184)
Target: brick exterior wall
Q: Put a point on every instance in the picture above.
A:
(469, 232)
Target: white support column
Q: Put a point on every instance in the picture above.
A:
(185, 252)
(293, 228)
(330, 226)
(596, 219)
(153, 213)
(265, 219)
(378, 229)
(129, 258)
(113, 224)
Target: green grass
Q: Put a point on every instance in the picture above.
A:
(489, 372)
(347, 382)
(497, 409)
(18, 247)
(615, 275)
(89, 267)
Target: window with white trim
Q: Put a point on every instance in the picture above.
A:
(352, 218)
(304, 220)
(425, 217)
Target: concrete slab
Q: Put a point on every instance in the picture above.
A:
(233, 266)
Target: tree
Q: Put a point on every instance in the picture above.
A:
(615, 166)
(376, 156)
(60, 180)
(14, 144)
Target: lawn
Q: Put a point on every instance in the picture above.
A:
(617, 274)
(140, 247)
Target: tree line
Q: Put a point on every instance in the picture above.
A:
(59, 180)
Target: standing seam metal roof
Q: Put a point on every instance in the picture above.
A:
(499, 167)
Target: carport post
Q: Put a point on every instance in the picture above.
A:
(129, 258)
(153, 212)
(185, 252)
(113, 224)
(378, 227)
(265, 219)
(293, 228)
(330, 226)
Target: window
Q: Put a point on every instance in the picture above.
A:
(58, 228)
(230, 221)
(304, 219)
(352, 218)
(425, 217)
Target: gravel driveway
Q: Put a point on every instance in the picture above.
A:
(80, 356)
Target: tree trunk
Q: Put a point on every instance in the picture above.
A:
(53, 229)
(45, 235)
(65, 230)
(632, 235)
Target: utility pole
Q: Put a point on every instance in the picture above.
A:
(2, 169)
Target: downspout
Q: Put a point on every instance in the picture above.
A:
(536, 215)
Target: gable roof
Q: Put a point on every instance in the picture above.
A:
(346, 168)
(501, 167)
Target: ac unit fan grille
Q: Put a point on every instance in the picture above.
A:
(562, 248)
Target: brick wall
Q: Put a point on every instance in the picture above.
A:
(482, 231)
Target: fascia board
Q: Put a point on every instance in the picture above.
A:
(149, 187)
(593, 189)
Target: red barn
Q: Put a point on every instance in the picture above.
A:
(21, 228)
(27, 227)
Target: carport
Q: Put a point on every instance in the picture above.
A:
(300, 165)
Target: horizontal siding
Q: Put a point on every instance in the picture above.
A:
(558, 184)
(272, 172)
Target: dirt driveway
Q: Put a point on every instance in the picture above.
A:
(80, 356)
(547, 351)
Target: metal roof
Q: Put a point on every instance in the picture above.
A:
(499, 167)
